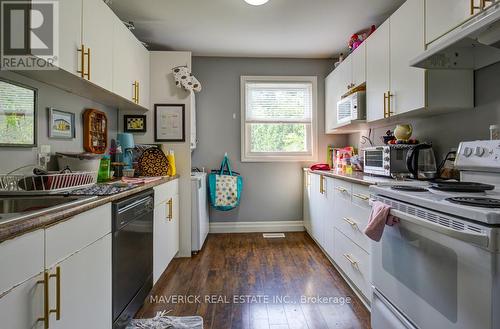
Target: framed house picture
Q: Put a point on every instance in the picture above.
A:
(169, 123)
(61, 124)
(134, 123)
(18, 114)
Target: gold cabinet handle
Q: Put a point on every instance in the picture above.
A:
(352, 261)
(84, 53)
(387, 104)
(45, 317)
(134, 96)
(353, 224)
(361, 196)
(321, 184)
(88, 63)
(57, 310)
(341, 189)
(137, 93)
(170, 209)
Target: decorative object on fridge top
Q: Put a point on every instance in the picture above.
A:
(225, 187)
(134, 123)
(320, 166)
(153, 162)
(61, 124)
(185, 79)
(388, 137)
(95, 131)
(358, 38)
(403, 132)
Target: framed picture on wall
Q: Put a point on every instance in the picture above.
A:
(61, 124)
(134, 123)
(169, 123)
(18, 114)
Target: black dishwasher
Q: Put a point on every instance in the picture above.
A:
(132, 255)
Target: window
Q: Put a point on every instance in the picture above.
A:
(278, 119)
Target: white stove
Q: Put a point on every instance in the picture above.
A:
(439, 267)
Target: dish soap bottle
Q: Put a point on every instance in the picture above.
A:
(104, 169)
(171, 171)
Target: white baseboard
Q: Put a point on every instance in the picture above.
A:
(257, 227)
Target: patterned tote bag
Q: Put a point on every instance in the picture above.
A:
(225, 187)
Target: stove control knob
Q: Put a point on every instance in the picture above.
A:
(387, 159)
(387, 150)
(479, 151)
(387, 167)
(467, 152)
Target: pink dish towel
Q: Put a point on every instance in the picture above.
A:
(379, 217)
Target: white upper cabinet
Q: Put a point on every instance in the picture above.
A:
(377, 72)
(442, 16)
(359, 65)
(130, 65)
(395, 88)
(97, 36)
(407, 84)
(70, 35)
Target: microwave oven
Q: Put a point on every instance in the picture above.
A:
(388, 160)
(352, 107)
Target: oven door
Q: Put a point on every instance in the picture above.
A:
(435, 278)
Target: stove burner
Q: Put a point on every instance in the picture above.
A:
(464, 187)
(476, 202)
(409, 188)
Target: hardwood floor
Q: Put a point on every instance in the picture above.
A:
(250, 268)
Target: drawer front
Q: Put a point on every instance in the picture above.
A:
(354, 261)
(361, 196)
(342, 190)
(165, 191)
(21, 258)
(68, 237)
(352, 223)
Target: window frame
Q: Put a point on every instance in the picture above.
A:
(311, 155)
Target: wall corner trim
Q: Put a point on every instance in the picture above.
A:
(257, 227)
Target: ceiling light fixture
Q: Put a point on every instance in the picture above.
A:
(256, 2)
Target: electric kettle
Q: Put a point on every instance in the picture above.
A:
(421, 162)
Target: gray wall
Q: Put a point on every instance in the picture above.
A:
(48, 96)
(447, 130)
(272, 191)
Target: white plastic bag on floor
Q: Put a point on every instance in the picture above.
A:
(162, 321)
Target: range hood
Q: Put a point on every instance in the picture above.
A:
(473, 45)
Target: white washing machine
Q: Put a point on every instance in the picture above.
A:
(199, 210)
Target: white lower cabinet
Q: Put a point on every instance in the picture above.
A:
(354, 261)
(166, 227)
(339, 212)
(63, 275)
(85, 288)
(22, 306)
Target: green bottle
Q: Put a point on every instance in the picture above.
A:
(104, 169)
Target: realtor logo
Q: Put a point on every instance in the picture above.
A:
(29, 34)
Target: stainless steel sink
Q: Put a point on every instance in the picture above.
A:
(20, 207)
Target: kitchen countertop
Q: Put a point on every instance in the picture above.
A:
(16, 228)
(356, 177)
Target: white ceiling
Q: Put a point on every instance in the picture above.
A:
(280, 28)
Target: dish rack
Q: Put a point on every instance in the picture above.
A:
(46, 184)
